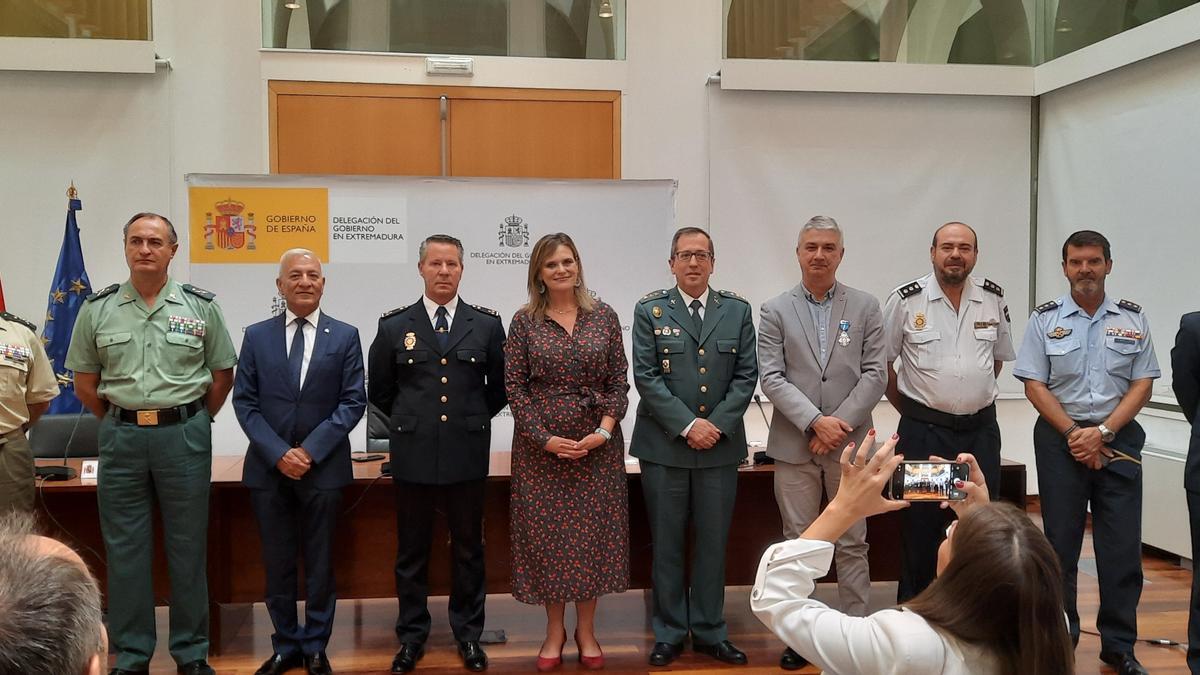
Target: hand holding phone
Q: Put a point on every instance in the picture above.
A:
(929, 481)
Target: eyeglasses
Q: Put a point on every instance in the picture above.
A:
(686, 256)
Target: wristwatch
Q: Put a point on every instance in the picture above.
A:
(1107, 435)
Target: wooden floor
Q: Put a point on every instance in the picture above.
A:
(363, 641)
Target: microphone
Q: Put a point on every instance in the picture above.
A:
(64, 472)
(760, 456)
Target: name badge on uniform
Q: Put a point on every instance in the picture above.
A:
(843, 333)
(410, 341)
(666, 366)
(186, 325)
(1058, 333)
(16, 353)
(980, 325)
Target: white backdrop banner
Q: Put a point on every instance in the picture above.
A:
(367, 231)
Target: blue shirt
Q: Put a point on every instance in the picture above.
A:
(1087, 361)
(820, 310)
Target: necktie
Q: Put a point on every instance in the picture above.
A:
(441, 327)
(296, 353)
(697, 320)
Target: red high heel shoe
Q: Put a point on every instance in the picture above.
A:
(589, 662)
(546, 664)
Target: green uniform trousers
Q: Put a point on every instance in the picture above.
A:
(16, 473)
(140, 466)
(672, 495)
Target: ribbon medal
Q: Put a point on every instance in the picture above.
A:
(843, 334)
(186, 325)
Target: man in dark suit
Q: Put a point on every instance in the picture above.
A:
(694, 365)
(1185, 380)
(436, 370)
(298, 392)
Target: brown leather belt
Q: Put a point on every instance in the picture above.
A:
(160, 417)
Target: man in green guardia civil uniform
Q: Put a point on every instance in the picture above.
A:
(695, 367)
(153, 360)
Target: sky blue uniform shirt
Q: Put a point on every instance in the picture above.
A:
(1089, 363)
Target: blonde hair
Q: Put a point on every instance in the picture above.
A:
(538, 299)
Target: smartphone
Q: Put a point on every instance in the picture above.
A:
(365, 458)
(918, 481)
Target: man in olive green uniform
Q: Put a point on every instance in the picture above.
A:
(694, 365)
(154, 362)
(27, 386)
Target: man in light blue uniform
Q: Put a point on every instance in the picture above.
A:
(1088, 363)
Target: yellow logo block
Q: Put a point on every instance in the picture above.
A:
(256, 225)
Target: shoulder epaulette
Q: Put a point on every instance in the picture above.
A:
(993, 287)
(1130, 305)
(1046, 307)
(731, 294)
(199, 292)
(654, 294)
(910, 289)
(16, 319)
(394, 311)
(487, 310)
(107, 290)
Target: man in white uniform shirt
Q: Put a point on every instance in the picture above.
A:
(951, 332)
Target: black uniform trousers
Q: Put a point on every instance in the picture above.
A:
(297, 517)
(923, 525)
(1193, 653)
(416, 504)
(1065, 488)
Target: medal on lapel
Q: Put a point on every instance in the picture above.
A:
(843, 333)
(666, 366)
(410, 341)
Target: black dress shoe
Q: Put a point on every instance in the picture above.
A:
(278, 664)
(317, 664)
(790, 660)
(664, 653)
(473, 656)
(722, 651)
(1126, 664)
(197, 667)
(406, 659)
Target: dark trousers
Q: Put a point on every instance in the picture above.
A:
(1065, 488)
(296, 518)
(706, 497)
(923, 525)
(415, 507)
(1193, 654)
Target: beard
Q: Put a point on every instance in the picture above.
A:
(952, 277)
(1085, 286)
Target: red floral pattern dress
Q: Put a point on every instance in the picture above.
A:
(570, 517)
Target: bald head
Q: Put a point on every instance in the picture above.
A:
(957, 228)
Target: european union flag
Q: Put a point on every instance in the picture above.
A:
(67, 294)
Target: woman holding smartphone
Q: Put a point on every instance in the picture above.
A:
(995, 608)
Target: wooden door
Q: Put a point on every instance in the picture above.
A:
(342, 128)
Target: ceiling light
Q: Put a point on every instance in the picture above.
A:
(606, 9)
(292, 5)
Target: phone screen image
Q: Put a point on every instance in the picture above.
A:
(930, 481)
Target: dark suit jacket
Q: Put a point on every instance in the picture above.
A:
(1185, 380)
(681, 376)
(439, 402)
(320, 416)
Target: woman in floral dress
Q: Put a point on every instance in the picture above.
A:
(565, 371)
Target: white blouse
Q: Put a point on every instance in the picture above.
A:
(891, 641)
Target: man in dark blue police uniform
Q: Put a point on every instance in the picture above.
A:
(436, 369)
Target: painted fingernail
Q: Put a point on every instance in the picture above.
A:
(895, 437)
(871, 432)
(958, 482)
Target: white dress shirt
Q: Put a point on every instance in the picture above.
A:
(310, 338)
(890, 641)
(687, 302)
(431, 310)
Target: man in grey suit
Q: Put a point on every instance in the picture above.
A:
(821, 356)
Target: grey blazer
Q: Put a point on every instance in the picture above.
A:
(849, 385)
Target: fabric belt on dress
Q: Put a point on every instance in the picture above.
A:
(971, 422)
(160, 417)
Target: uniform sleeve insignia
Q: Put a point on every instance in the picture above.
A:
(653, 294)
(487, 310)
(908, 290)
(1006, 316)
(993, 287)
(199, 292)
(107, 290)
(735, 296)
(394, 312)
(1130, 305)
(16, 319)
(1046, 307)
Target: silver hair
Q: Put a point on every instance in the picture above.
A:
(296, 253)
(820, 223)
(50, 620)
